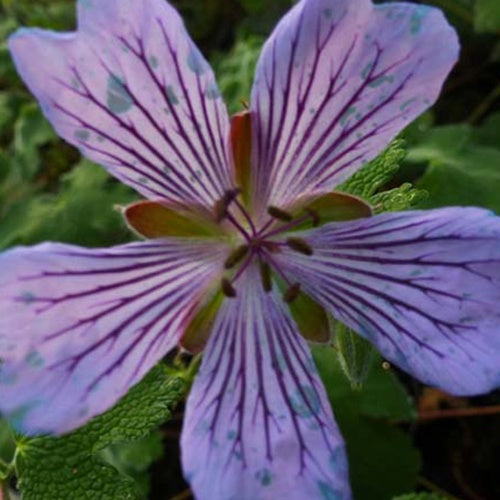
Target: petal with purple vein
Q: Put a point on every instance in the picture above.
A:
(424, 287)
(81, 326)
(258, 422)
(337, 80)
(130, 90)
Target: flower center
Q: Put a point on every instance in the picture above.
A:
(260, 243)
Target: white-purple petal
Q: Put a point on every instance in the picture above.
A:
(258, 423)
(79, 327)
(423, 286)
(133, 93)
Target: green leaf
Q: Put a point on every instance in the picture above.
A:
(8, 75)
(80, 213)
(31, 130)
(487, 16)
(462, 165)
(367, 181)
(68, 467)
(382, 459)
(355, 354)
(134, 459)
(9, 107)
(7, 444)
(373, 177)
(400, 198)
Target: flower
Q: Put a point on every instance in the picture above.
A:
(244, 227)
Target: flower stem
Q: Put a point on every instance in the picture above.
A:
(434, 488)
(459, 412)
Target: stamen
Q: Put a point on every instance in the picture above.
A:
(227, 288)
(247, 217)
(265, 275)
(271, 246)
(230, 195)
(220, 210)
(299, 245)
(238, 226)
(291, 294)
(277, 268)
(279, 214)
(221, 206)
(286, 227)
(314, 216)
(236, 256)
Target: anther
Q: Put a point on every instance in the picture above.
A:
(221, 206)
(279, 214)
(314, 216)
(227, 288)
(220, 210)
(236, 256)
(291, 294)
(230, 195)
(271, 247)
(265, 275)
(299, 245)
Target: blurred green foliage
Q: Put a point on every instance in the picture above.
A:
(463, 164)
(375, 447)
(74, 466)
(48, 192)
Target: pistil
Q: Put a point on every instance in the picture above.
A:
(258, 245)
(243, 210)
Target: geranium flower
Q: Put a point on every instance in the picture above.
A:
(244, 228)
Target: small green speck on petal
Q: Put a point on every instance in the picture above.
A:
(171, 96)
(306, 402)
(350, 111)
(366, 70)
(416, 19)
(153, 61)
(7, 378)
(379, 81)
(16, 417)
(27, 297)
(34, 359)
(118, 100)
(212, 92)
(195, 61)
(406, 104)
(264, 476)
(82, 135)
(327, 492)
